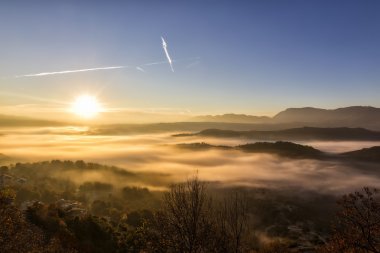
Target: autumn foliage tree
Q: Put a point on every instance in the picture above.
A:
(16, 234)
(357, 226)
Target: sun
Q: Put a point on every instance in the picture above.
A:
(86, 106)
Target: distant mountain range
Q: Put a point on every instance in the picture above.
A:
(341, 119)
(296, 134)
(354, 116)
(233, 118)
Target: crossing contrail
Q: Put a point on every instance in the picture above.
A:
(140, 69)
(164, 46)
(71, 71)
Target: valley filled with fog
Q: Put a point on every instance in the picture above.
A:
(158, 154)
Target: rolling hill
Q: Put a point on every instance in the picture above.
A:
(366, 154)
(292, 150)
(285, 149)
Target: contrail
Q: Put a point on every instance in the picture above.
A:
(154, 63)
(140, 69)
(164, 46)
(71, 71)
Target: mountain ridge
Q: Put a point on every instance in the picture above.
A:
(352, 116)
(304, 113)
(291, 150)
(233, 118)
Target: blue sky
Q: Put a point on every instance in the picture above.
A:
(255, 57)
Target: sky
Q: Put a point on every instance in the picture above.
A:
(254, 57)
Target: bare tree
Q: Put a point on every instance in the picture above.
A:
(185, 222)
(191, 222)
(232, 223)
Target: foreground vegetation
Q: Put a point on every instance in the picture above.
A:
(41, 212)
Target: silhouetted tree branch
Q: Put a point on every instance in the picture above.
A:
(357, 227)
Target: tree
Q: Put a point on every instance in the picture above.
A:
(137, 218)
(357, 226)
(99, 207)
(276, 247)
(185, 223)
(231, 223)
(16, 234)
(190, 221)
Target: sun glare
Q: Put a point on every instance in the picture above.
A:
(86, 106)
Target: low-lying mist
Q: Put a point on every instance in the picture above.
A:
(157, 157)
